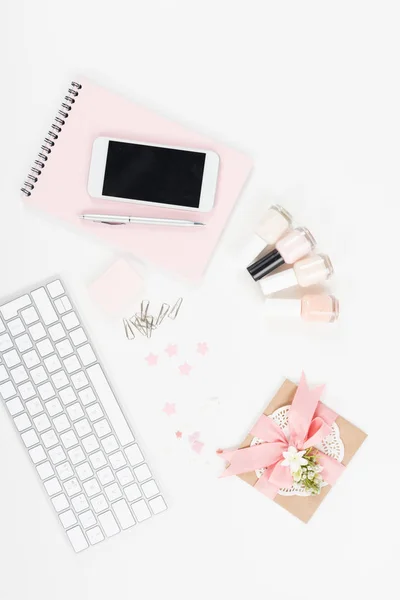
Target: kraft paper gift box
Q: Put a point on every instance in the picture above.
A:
(302, 507)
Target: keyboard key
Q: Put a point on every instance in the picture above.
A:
(110, 404)
(70, 321)
(68, 519)
(3, 373)
(54, 407)
(5, 342)
(63, 305)
(123, 514)
(22, 422)
(105, 476)
(34, 406)
(133, 492)
(37, 332)
(57, 455)
(72, 364)
(91, 487)
(38, 375)
(29, 315)
(80, 503)
(49, 438)
(98, 460)
(78, 336)
(52, 486)
(82, 427)
(44, 306)
(7, 390)
(108, 523)
(150, 489)
(72, 487)
(19, 374)
(46, 391)
(134, 455)
(52, 363)
(31, 359)
(125, 476)
(117, 460)
(55, 288)
(57, 332)
(14, 406)
(99, 503)
(60, 379)
(75, 411)
(95, 535)
(67, 395)
(11, 358)
(87, 396)
(30, 438)
(11, 309)
(61, 423)
(157, 505)
(77, 539)
(113, 491)
(84, 471)
(41, 423)
(45, 470)
(23, 343)
(69, 439)
(26, 390)
(90, 443)
(37, 454)
(86, 355)
(64, 348)
(140, 510)
(87, 519)
(79, 380)
(102, 428)
(64, 471)
(60, 502)
(76, 455)
(109, 444)
(45, 347)
(16, 327)
(142, 473)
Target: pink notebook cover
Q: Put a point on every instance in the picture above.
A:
(61, 188)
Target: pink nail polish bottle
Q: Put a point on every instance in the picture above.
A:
(273, 226)
(320, 308)
(308, 271)
(289, 249)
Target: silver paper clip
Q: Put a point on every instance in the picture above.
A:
(173, 313)
(144, 307)
(162, 314)
(128, 330)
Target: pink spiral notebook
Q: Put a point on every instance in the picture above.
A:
(57, 182)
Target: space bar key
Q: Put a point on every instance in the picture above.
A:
(110, 404)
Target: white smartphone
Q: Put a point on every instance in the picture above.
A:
(167, 176)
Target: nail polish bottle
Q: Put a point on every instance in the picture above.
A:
(289, 249)
(308, 271)
(320, 308)
(272, 227)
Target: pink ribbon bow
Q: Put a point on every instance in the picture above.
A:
(309, 422)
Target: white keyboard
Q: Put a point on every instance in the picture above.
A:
(69, 420)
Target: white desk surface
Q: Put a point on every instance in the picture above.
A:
(310, 90)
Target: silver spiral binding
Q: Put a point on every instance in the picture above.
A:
(50, 141)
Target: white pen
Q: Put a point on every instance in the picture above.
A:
(125, 220)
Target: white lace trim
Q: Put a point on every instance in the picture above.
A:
(331, 445)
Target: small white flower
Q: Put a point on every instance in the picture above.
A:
(294, 459)
(297, 476)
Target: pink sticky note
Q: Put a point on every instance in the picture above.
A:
(117, 287)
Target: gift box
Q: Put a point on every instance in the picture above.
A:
(296, 450)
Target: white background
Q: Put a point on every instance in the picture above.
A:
(310, 90)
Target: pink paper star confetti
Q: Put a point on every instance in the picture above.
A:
(202, 348)
(194, 437)
(178, 434)
(152, 359)
(185, 369)
(197, 446)
(171, 350)
(169, 409)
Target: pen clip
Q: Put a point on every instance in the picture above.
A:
(110, 223)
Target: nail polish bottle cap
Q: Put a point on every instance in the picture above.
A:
(279, 281)
(271, 228)
(282, 307)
